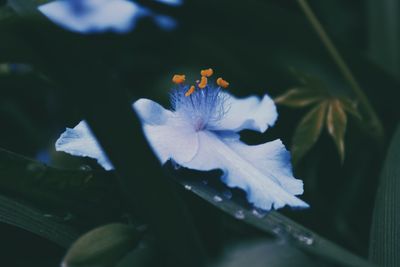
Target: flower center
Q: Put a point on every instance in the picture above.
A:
(202, 104)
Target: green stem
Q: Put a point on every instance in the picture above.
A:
(375, 123)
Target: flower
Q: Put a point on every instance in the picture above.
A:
(201, 133)
(96, 16)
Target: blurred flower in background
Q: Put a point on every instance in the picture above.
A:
(96, 16)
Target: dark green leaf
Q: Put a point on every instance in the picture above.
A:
(385, 230)
(351, 107)
(276, 224)
(299, 97)
(336, 123)
(35, 221)
(308, 131)
(271, 253)
(144, 255)
(103, 246)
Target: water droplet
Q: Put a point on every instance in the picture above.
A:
(306, 239)
(48, 215)
(205, 182)
(217, 198)
(239, 214)
(227, 194)
(188, 187)
(85, 168)
(259, 213)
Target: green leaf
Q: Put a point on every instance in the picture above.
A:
(308, 131)
(299, 97)
(102, 247)
(350, 107)
(276, 224)
(385, 229)
(336, 123)
(261, 253)
(23, 216)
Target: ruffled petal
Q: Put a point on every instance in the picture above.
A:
(273, 158)
(262, 187)
(247, 113)
(80, 141)
(94, 16)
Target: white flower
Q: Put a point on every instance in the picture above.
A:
(96, 16)
(201, 133)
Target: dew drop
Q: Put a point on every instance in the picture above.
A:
(305, 239)
(227, 194)
(259, 213)
(188, 187)
(239, 214)
(217, 198)
(85, 168)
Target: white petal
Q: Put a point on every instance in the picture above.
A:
(113, 15)
(170, 137)
(151, 112)
(248, 113)
(79, 141)
(261, 187)
(271, 157)
(175, 140)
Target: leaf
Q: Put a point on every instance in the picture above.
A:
(385, 229)
(308, 131)
(35, 221)
(299, 97)
(336, 122)
(350, 107)
(102, 247)
(261, 253)
(272, 223)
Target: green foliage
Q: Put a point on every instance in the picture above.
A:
(103, 246)
(385, 230)
(329, 110)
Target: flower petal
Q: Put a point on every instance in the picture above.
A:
(80, 141)
(271, 157)
(172, 140)
(151, 112)
(95, 16)
(262, 187)
(248, 113)
(170, 136)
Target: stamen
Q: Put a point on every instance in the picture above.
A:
(203, 82)
(207, 73)
(222, 83)
(190, 91)
(178, 79)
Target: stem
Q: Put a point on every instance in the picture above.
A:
(375, 123)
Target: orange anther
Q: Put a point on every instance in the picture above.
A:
(178, 79)
(203, 82)
(190, 91)
(222, 83)
(207, 72)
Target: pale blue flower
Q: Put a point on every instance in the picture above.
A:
(200, 132)
(96, 16)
